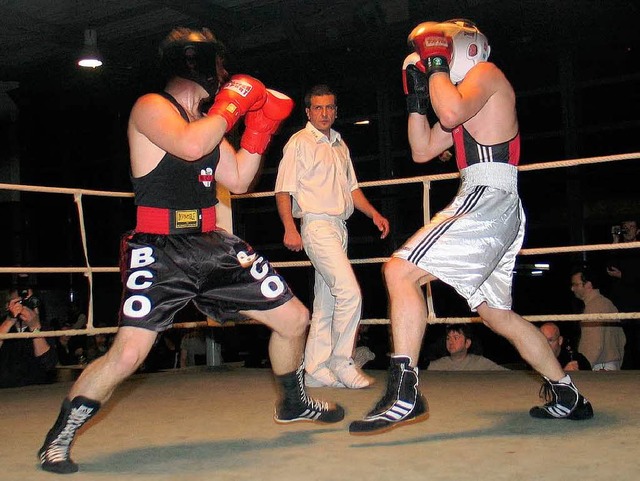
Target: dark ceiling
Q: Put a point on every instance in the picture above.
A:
(41, 38)
(289, 44)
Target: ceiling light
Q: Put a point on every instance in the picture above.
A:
(90, 57)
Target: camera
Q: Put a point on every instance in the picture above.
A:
(32, 302)
(616, 230)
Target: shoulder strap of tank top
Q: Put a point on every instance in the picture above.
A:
(170, 98)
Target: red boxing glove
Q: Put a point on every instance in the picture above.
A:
(433, 45)
(239, 95)
(261, 124)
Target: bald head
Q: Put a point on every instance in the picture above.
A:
(552, 332)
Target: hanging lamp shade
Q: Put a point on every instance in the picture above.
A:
(90, 56)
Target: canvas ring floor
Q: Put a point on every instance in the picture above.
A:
(216, 424)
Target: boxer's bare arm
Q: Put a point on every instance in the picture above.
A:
(156, 127)
(455, 104)
(236, 170)
(484, 102)
(426, 142)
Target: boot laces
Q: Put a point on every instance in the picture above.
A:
(58, 449)
(547, 393)
(305, 398)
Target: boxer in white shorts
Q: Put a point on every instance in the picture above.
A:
(465, 247)
(472, 244)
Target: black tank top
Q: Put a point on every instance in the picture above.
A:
(176, 183)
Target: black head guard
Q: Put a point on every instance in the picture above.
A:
(193, 54)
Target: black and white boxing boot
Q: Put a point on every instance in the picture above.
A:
(401, 404)
(55, 453)
(297, 405)
(563, 401)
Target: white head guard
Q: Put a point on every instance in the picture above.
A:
(470, 46)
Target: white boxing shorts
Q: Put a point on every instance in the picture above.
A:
(472, 244)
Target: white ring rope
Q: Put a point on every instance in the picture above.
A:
(63, 190)
(77, 198)
(523, 252)
(454, 175)
(88, 270)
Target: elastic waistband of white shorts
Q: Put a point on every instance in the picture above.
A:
(492, 174)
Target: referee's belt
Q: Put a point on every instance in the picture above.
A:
(155, 220)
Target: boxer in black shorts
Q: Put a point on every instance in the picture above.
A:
(178, 268)
(176, 254)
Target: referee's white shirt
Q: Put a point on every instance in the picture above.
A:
(318, 173)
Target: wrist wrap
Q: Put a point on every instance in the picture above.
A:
(436, 64)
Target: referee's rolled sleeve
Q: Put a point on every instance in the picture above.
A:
(286, 180)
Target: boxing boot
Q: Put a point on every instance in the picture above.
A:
(296, 405)
(402, 402)
(55, 453)
(563, 401)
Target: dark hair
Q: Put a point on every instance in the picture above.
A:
(461, 328)
(587, 275)
(635, 222)
(20, 291)
(31, 301)
(317, 91)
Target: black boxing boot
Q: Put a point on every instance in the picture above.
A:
(55, 453)
(402, 402)
(563, 401)
(297, 405)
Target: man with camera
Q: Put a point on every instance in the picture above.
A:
(624, 272)
(24, 361)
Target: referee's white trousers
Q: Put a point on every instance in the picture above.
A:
(337, 303)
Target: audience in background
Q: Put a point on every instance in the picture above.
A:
(98, 344)
(76, 318)
(25, 361)
(164, 354)
(623, 269)
(71, 350)
(569, 359)
(458, 343)
(602, 342)
(193, 348)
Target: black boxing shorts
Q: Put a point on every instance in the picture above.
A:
(218, 271)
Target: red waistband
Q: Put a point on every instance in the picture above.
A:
(154, 220)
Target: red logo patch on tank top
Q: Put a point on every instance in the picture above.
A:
(206, 176)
